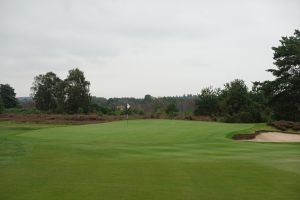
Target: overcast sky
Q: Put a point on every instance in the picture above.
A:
(138, 47)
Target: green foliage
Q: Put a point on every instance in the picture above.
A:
(172, 110)
(149, 106)
(52, 94)
(1, 106)
(141, 112)
(234, 97)
(99, 113)
(148, 98)
(241, 117)
(46, 92)
(284, 91)
(207, 102)
(279, 99)
(114, 112)
(235, 103)
(104, 110)
(77, 92)
(22, 111)
(94, 107)
(80, 110)
(8, 96)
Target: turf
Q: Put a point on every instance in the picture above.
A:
(149, 159)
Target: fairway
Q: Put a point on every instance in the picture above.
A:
(146, 160)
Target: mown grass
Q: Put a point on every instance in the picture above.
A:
(149, 159)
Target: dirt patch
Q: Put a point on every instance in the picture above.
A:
(268, 136)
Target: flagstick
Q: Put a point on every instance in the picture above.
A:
(127, 119)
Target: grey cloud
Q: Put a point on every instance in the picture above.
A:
(128, 48)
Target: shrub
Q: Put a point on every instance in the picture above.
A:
(284, 125)
(228, 119)
(80, 110)
(99, 113)
(246, 117)
(141, 112)
(113, 112)
(296, 126)
(158, 114)
(241, 117)
(104, 110)
(189, 117)
(22, 111)
(172, 110)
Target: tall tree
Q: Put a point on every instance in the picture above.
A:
(234, 97)
(8, 95)
(77, 90)
(284, 91)
(46, 91)
(148, 103)
(207, 102)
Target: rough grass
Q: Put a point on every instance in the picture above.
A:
(149, 159)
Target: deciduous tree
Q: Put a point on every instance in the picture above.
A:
(77, 92)
(47, 91)
(8, 95)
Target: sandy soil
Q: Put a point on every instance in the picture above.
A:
(276, 137)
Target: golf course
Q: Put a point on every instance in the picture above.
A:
(146, 159)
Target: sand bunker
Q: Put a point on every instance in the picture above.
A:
(276, 137)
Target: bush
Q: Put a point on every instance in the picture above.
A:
(80, 110)
(104, 110)
(172, 110)
(22, 111)
(284, 125)
(267, 115)
(113, 112)
(141, 112)
(246, 117)
(296, 126)
(99, 113)
(189, 117)
(241, 117)
(228, 119)
(158, 114)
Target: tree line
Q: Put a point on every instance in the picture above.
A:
(154, 107)
(265, 101)
(276, 99)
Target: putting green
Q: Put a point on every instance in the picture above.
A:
(149, 159)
